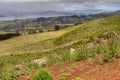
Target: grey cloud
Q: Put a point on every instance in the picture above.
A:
(39, 6)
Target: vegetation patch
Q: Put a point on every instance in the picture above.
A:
(8, 36)
(43, 75)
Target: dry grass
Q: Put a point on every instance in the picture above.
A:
(8, 45)
(31, 43)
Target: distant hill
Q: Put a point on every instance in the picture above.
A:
(116, 12)
(48, 22)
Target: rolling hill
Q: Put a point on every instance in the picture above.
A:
(88, 30)
(36, 46)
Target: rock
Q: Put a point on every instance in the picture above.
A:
(56, 56)
(41, 61)
(72, 51)
(18, 67)
(101, 40)
(104, 41)
(112, 34)
(90, 45)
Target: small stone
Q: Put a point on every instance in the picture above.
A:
(41, 61)
(56, 56)
(72, 51)
(90, 45)
(18, 67)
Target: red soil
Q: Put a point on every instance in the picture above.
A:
(22, 78)
(85, 71)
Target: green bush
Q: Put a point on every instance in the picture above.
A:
(85, 52)
(56, 28)
(111, 50)
(43, 75)
(2, 77)
(8, 36)
(13, 75)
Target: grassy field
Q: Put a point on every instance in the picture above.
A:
(84, 33)
(23, 42)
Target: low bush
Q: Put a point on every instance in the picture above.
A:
(8, 36)
(43, 75)
(110, 51)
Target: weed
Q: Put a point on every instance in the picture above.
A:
(65, 76)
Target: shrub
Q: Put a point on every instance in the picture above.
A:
(110, 50)
(8, 36)
(85, 52)
(43, 75)
(77, 78)
(2, 77)
(56, 28)
(13, 74)
(65, 76)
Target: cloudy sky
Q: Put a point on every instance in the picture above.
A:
(18, 7)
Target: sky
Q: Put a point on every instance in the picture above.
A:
(19, 7)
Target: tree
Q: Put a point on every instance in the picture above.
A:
(56, 27)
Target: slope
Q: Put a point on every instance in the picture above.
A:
(30, 43)
(91, 30)
(84, 33)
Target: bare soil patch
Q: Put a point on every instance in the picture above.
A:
(86, 71)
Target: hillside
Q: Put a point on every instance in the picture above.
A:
(31, 43)
(90, 30)
(81, 35)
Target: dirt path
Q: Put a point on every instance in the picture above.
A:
(57, 47)
(85, 71)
